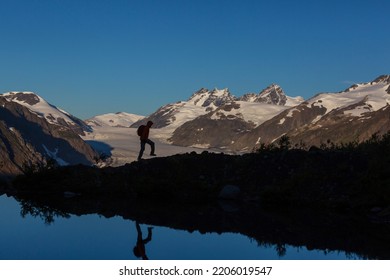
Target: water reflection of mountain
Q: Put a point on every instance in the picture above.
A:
(309, 229)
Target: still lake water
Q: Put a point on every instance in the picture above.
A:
(94, 237)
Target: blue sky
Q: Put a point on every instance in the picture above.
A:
(91, 57)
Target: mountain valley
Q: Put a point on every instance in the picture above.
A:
(32, 130)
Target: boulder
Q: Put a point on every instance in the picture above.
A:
(229, 192)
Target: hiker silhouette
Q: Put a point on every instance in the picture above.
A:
(144, 138)
(139, 248)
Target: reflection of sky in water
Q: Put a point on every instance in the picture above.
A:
(95, 237)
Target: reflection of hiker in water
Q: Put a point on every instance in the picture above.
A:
(139, 248)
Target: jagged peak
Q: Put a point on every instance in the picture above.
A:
(382, 79)
(217, 91)
(273, 94)
(202, 90)
(272, 89)
(216, 97)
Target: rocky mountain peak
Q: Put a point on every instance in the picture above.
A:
(29, 98)
(273, 94)
(215, 97)
(385, 79)
(382, 79)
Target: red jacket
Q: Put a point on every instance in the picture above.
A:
(145, 131)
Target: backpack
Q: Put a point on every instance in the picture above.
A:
(140, 129)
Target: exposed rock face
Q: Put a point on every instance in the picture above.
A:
(214, 98)
(27, 138)
(205, 132)
(24, 97)
(337, 127)
(382, 79)
(14, 151)
(288, 120)
(273, 94)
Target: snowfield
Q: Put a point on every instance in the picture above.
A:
(123, 145)
(375, 95)
(120, 119)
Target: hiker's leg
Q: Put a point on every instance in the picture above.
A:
(149, 237)
(139, 232)
(151, 143)
(141, 152)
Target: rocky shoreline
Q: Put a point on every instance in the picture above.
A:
(329, 198)
(341, 180)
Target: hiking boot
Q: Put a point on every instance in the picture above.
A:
(153, 154)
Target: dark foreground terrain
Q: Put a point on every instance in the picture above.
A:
(329, 198)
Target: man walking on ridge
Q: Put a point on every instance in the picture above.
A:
(144, 138)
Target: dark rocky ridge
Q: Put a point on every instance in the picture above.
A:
(331, 199)
(350, 177)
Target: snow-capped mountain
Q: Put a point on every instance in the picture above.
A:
(215, 118)
(43, 109)
(218, 119)
(120, 119)
(31, 130)
(174, 115)
(343, 116)
(218, 104)
(367, 97)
